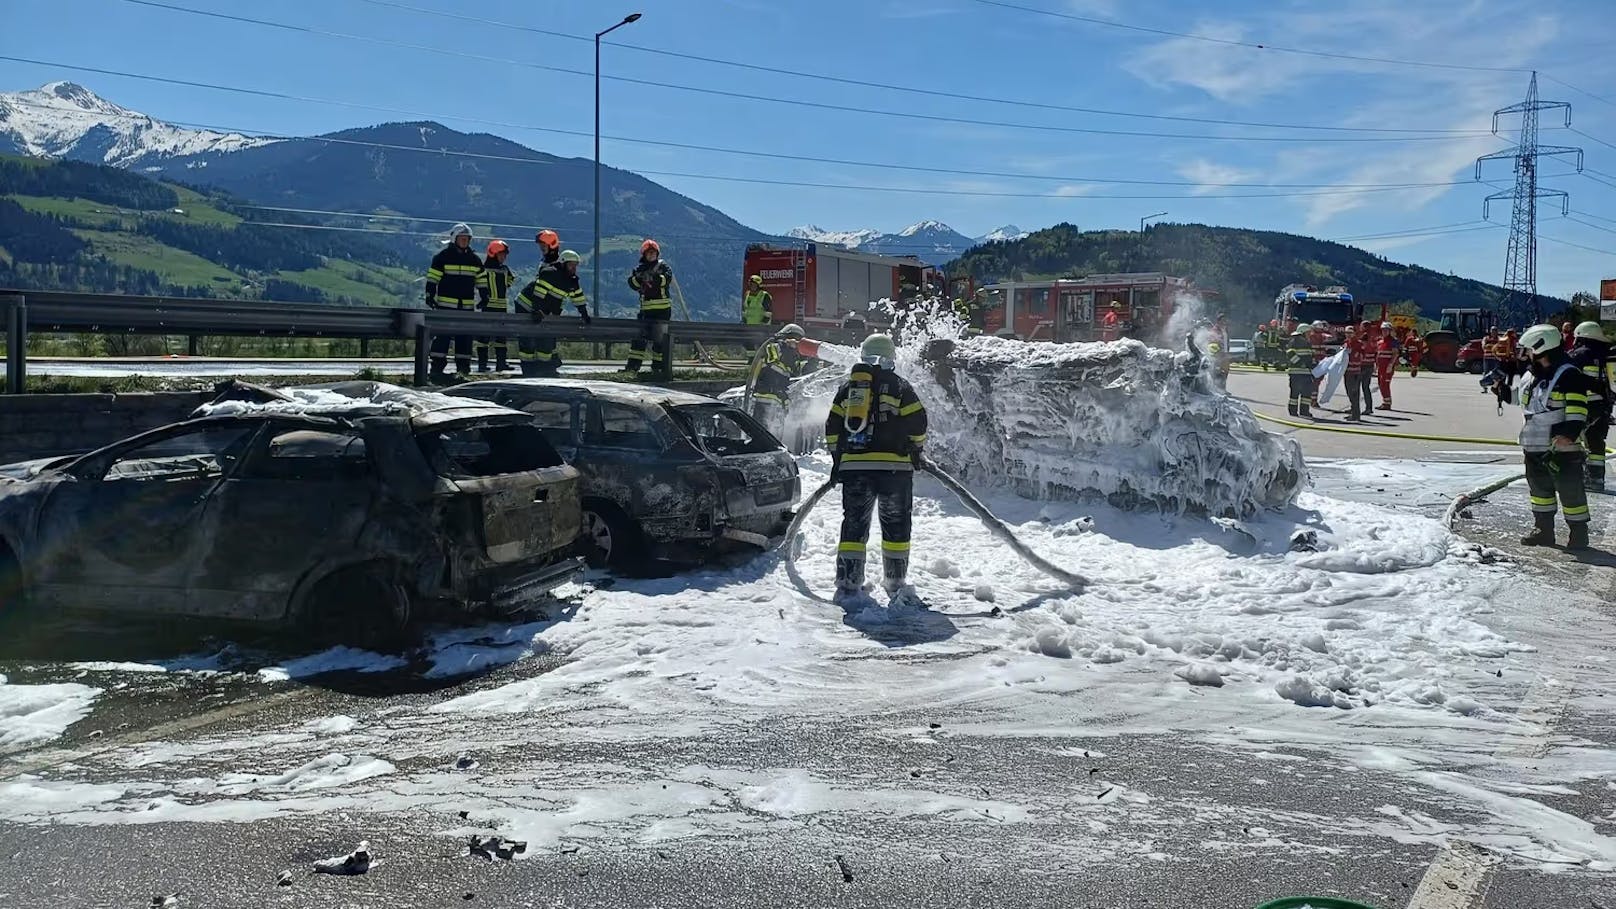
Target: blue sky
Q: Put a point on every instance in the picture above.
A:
(468, 69)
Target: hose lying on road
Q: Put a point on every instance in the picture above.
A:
(995, 527)
(1381, 433)
(1467, 498)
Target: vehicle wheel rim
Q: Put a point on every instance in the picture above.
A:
(598, 532)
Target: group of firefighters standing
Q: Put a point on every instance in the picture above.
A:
(460, 279)
(1372, 354)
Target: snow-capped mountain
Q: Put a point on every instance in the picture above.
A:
(67, 120)
(851, 239)
(1007, 232)
(932, 241)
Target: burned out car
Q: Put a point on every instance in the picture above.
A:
(666, 474)
(353, 510)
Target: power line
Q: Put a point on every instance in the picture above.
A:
(1544, 236)
(1580, 91)
(797, 102)
(1411, 230)
(1231, 42)
(788, 157)
(1595, 217)
(1416, 234)
(936, 93)
(1593, 138)
(1590, 224)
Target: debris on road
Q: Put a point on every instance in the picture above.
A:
(1305, 541)
(355, 862)
(493, 847)
(847, 873)
(284, 879)
(165, 902)
(466, 762)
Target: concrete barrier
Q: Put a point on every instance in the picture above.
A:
(44, 426)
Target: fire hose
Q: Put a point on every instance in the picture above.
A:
(995, 526)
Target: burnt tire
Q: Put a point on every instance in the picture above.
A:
(362, 606)
(608, 538)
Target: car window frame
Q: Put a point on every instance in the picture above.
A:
(519, 398)
(94, 466)
(742, 418)
(657, 435)
(480, 422)
(259, 450)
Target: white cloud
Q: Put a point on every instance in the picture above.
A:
(1212, 176)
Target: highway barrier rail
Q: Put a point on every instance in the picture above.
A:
(52, 311)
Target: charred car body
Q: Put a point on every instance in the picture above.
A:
(666, 474)
(353, 510)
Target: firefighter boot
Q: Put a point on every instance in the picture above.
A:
(500, 363)
(1594, 477)
(849, 577)
(1579, 535)
(894, 571)
(1543, 533)
(482, 359)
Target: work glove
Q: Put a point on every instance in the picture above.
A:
(917, 458)
(583, 313)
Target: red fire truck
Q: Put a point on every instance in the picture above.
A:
(818, 285)
(1070, 309)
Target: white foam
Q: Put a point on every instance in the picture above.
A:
(31, 714)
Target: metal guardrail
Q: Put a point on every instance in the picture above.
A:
(53, 311)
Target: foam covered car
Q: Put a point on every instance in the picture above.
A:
(354, 511)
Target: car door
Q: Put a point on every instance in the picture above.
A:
(124, 535)
(299, 498)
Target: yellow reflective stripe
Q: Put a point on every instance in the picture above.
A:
(549, 288)
(838, 410)
(894, 547)
(1542, 500)
(576, 296)
(1575, 510)
(918, 440)
(850, 547)
(433, 274)
(655, 305)
(882, 456)
(832, 440)
(1576, 411)
(891, 400)
(914, 408)
(462, 269)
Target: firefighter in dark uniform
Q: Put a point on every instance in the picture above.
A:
(875, 432)
(1299, 371)
(1555, 399)
(757, 307)
(652, 279)
(493, 291)
(777, 364)
(555, 286)
(526, 303)
(1592, 355)
(451, 283)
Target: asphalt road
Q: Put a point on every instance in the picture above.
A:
(1124, 820)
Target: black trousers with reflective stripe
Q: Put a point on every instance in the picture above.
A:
(1551, 474)
(462, 346)
(653, 335)
(861, 489)
(1596, 436)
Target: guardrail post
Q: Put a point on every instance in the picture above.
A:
(665, 369)
(191, 345)
(423, 347)
(364, 348)
(16, 345)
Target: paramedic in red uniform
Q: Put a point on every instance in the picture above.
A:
(1111, 322)
(1386, 351)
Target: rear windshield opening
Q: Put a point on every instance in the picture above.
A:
(487, 451)
(722, 430)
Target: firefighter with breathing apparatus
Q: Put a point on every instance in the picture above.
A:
(1555, 400)
(778, 361)
(875, 432)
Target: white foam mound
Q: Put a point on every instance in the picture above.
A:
(1138, 426)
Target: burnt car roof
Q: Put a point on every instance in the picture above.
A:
(352, 400)
(618, 392)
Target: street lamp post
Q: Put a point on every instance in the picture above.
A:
(1142, 234)
(594, 296)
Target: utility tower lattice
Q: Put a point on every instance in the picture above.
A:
(1520, 261)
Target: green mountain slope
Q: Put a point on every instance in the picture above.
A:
(67, 225)
(1247, 268)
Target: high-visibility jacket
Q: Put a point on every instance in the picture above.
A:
(1593, 358)
(451, 280)
(777, 365)
(494, 287)
(1385, 355)
(757, 307)
(1555, 404)
(876, 421)
(1359, 354)
(1498, 348)
(1299, 356)
(653, 281)
(551, 289)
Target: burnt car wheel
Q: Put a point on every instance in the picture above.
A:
(363, 606)
(608, 538)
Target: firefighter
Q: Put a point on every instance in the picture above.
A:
(1415, 346)
(552, 288)
(1592, 355)
(451, 283)
(876, 431)
(1358, 356)
(1386, 351)
(1299, 369)
(757, 307)
(777, 364)
(529, 354)
(1555, 399)
(652, 279)
(1492, 354)
(493, 288)
(1111, 322)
